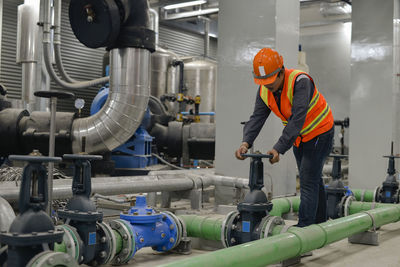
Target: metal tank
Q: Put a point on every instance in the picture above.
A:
(164, 77)
(200, 78)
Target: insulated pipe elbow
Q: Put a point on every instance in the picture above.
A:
(126, 104)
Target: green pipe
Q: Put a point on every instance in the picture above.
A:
(203, 226)
(60, 247)
(295, 241)
(356, 207)
(119, 242)
(363, 195)
(207, 227)
(282, 205)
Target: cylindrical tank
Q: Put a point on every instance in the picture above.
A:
(200, 78)
(164, 77)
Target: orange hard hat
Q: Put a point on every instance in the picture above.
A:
(266, 66)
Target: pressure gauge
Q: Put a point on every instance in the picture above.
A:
(79, 103)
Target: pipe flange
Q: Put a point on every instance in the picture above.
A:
(107, 244)
(226, 227)
(377, 193)
(73, 242)
(268, 223)
(173, 234)
(180, 226)
(50, 258)
(397, 196)
(128, 241)
(347, 203)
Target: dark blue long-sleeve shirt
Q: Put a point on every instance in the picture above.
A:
(302, 94)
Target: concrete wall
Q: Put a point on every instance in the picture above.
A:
(371, 91)
(245, 27)
(328, 57)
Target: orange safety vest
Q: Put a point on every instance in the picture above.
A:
(319, 118)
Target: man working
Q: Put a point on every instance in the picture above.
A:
(308, 120)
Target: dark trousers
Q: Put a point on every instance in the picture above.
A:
(310, 158)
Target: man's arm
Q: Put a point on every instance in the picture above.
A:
(253, 127)
(302, 93)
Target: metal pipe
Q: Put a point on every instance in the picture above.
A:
(57, 44)
(29, 74)
(155, 24)
(52, 141)
(47, 25)
(206, 37)
(295, 242)
(167, 181)
(126, 104)
(364, 195)
(107, 186)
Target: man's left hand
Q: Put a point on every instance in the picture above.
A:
(275, 156)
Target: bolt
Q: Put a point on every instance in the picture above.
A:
(15, 234)
(171, 240)
(152, 229)
(171, 226)
(89, 212)
(117, 226)
(149, 213)
(141, 240)
(35, 233)
(50, 261)
(233, 240)
(234, 226)
(118, 260)
(125, 237)
(103, 239)
(136, 213)
(103, 254)
(137, 234)
(164, 248)
(69, 246)
(125, 251)
(164, 217)
(162, 235)
(50, 231)
(76, 211)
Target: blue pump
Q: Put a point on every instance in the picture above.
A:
(136, 152)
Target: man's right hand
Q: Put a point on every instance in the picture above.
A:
(242, 150)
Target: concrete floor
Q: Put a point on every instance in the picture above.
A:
(338, 254)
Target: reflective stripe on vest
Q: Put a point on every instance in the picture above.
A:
(319, 116)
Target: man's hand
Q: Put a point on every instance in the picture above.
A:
(242, 150)
(275, 156)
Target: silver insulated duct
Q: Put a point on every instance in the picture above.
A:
(123, 111)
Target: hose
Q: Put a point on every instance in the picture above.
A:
(47, 52)
(166, 162)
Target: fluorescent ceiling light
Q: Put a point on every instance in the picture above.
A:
(185, 4)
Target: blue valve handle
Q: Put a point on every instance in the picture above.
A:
(257, 156)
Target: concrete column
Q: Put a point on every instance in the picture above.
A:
(244, 27)
(372, 94)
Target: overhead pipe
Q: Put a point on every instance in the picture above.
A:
(47, 46)
(295, 242)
